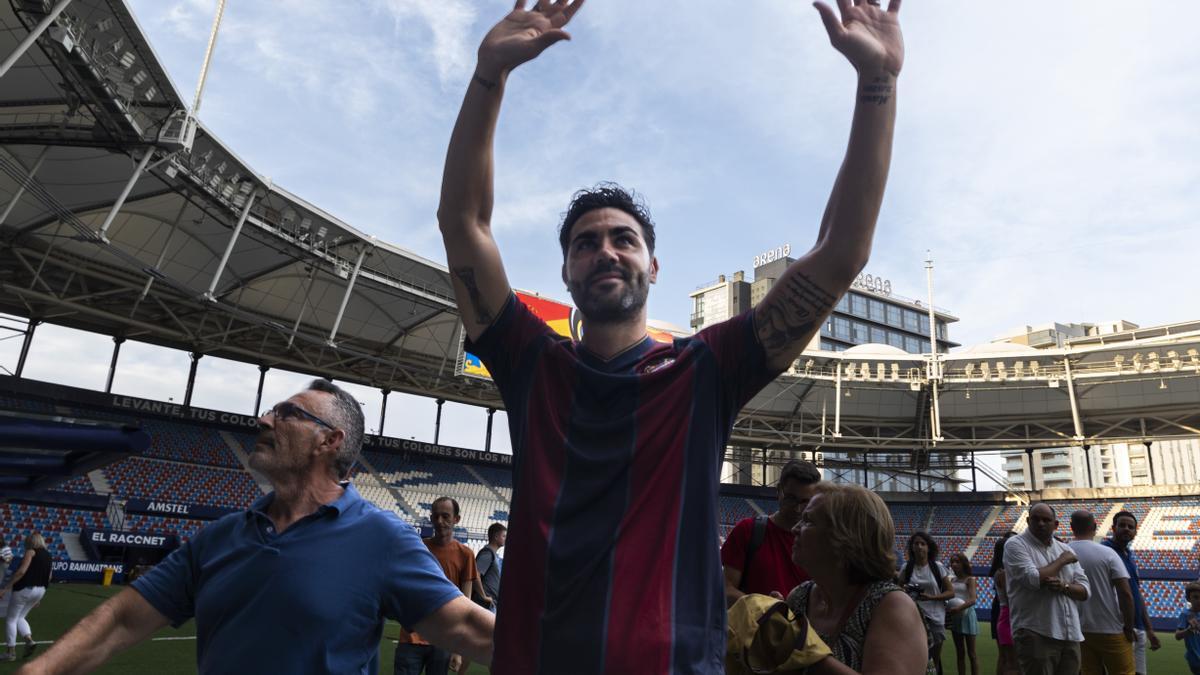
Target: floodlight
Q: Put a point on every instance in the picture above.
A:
(895, 372)
(104, 24)
(127, 60)
(1176, 362)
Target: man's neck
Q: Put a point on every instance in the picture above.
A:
(494, 547)
(607, 340)
(442, 540)
(298, 498)
(780, 522)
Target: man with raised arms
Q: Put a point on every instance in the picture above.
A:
(612, 562)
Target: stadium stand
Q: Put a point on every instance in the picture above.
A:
(51, 522)
(179, 482)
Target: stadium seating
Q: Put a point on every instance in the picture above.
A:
(194, 445)
(51, 522)
(184, 528)
(959, 518)
(189, 483)
(909, 518)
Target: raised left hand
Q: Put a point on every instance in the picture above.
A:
(866, 34)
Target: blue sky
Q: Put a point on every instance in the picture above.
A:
(1047, 153)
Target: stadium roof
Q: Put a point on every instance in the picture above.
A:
(292, 287)
(207, 255)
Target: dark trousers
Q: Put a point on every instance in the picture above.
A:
(410, 659)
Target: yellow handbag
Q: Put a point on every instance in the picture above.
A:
(765, 636)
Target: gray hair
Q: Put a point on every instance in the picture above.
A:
(346, 414)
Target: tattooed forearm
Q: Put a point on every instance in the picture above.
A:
(878, 90)
(483, 316)
(792, 314)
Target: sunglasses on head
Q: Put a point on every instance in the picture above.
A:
(290, 411)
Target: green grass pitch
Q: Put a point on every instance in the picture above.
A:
(174, 650)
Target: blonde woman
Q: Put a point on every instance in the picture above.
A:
(844, 541)
(27, 587)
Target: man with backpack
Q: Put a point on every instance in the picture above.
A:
(489, 563)
(757, 555)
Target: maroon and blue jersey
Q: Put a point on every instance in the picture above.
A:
(611, 562)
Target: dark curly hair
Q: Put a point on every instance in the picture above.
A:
(606, 195)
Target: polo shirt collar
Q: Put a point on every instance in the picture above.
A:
(349, 497)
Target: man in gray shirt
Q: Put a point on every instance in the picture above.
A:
(489, 562)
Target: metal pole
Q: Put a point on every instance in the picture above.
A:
(437, 423)
(1149, 460)
(237, 230)
(12, 203)
(1030, 482)
(25, 344)
(1071, 395)
(1087, 463)
(116, 207)
(191, 383)
(112, 366)
(866, 482)
(208, 52)
(974, 476)
(33, 36)
(346, 297)
(383, 410)
(935, 370)
(487, 443)
(262, 376)
(837, 403)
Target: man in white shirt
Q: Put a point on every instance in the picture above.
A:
(1107, 615)
(1045, 585)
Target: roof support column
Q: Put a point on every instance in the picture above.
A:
(25, 345)
(837, 403)
(346, 297)
(191, 383)
(262, 377)
(487, 442)
(866, 481)
(383, 410)
(1149, 460)
(437, 422)
(237, 230)
(12, 203)
(974, 475)
(116, 207)
(112, 365)
(33, 36)
(1071, 395)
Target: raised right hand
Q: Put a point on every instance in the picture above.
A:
(523, 34)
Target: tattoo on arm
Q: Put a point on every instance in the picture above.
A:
(794, 315)
(878, 91)
(466, 275)
(483, 82)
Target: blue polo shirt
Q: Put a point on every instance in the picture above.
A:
(312, 599)
(1135, 582)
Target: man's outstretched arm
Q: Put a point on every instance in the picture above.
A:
(465, 212)
(800, 301)
(113, 627)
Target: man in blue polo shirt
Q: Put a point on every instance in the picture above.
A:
(301, 581)
(1124, 529)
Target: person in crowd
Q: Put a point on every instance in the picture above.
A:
(413, 653)
(1124, 529)
(490, 563)
(1188, 628)
(963, 622)
(1006, 656)
(618, 438)
(1106, 617)
(24, 591)
(844, 540)
(299, 582)
(1045, 586)
(931, 582)
(757, 554)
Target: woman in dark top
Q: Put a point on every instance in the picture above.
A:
(27, 587)
(868, 622)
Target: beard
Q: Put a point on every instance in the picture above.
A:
(615, 306)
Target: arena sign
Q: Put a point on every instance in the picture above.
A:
(139, 539)
(436, 451)
(190, 413)
(161, 508)
(74, 570)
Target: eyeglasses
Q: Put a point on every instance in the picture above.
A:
(290, 411)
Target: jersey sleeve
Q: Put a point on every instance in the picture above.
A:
(416, 585)
(733, 551)
(741, 360)
(170, 587)
(1116, 568)
(504, 346)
